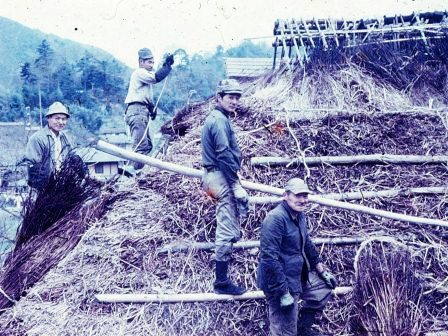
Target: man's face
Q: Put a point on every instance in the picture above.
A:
(56, 122)
(297, 202)
(229, 102)
(147, 64)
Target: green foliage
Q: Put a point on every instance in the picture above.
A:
(14, 109)
(89, 85)
(51, 69)
(89, 118)
(196, 77)
(249, 49)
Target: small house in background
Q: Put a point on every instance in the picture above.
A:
(240, 68)
(121, 140)
(101, 165)
(116, 135)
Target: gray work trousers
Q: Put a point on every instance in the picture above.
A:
(283, 322)
(137, 118)
(227, 221)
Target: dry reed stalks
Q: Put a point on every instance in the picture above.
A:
(66, 189)
(119, 253)
(387, 296)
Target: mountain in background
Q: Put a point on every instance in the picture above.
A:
(18, 45)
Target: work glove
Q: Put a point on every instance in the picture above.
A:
(286, 300)
(329, 279)
(241, 198)
(169, 60)
(152, 111)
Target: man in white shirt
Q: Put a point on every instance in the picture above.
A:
(139, 100)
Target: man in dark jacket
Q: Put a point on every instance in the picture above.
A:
(47, 148)
(221, 158)
(290, 268)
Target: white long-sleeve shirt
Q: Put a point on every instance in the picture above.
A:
(140, 86)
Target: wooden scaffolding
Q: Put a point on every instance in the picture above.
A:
(297, 38)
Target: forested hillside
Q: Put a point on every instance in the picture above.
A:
(42, 68)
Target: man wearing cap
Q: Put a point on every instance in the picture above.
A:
(139, 100)
(48, 147)
(221, 159)
(290, 268)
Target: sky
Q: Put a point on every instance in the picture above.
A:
(121, 27)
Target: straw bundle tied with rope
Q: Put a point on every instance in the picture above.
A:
(387, 296)
(119, 253)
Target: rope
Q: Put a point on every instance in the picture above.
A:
(155, 107)
(147, 125)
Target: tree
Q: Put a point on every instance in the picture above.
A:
(16, 107)
(86, 117)
(249, 49)
(66, 82)
(44, 70)
(29, 88)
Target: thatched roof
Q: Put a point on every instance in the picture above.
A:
(341, 109)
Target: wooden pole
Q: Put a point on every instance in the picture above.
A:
(342, 160)
(248, 244)
(357, 195)
(190, 297)
(176, 168)
(120, 152)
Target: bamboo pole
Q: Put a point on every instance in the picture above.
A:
(117, 151)
(248, 244)
(190, 297)
(176, 168)
(354, 159)
(357, 195)
(434, 28)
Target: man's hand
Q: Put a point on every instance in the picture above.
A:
(286, 300)
(152, 110)
(241, 198)
(239, 192)
(153, 113)
(169, 60)
(329, 279)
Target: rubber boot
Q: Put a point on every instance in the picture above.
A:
(305, 323)
(223, 285)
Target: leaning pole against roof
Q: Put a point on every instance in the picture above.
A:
(192, 172)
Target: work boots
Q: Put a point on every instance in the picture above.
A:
(223, 285)
(305, 323)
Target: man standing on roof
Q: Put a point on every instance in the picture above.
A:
(48, 147)
(139, 100)
(221, 159)
(290, 268)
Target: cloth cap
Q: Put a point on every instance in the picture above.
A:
(145, 53)
(228, 86)
(56, 108)
(297, 186)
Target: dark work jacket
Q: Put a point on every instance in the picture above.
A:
(40, 156)
(219, 147)
(287, 253)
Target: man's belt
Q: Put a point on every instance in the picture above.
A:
(211, 169)
(137, 103)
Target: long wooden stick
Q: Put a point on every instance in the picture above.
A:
(120, 152)
(185, 246)
(189, 297)
(357, 195)
(342, 160)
